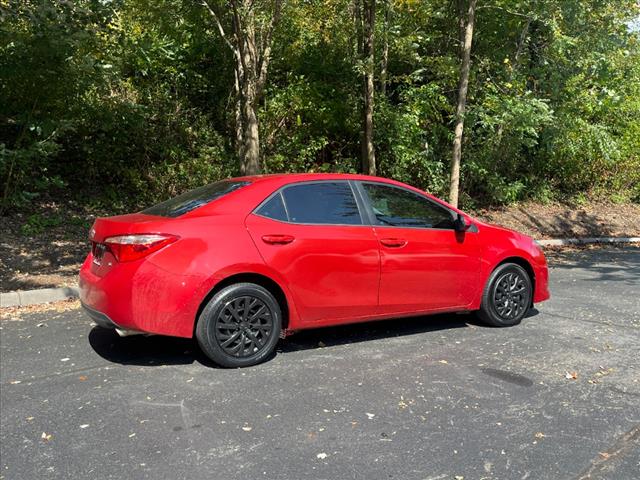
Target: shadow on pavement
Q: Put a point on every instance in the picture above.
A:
(364, 332)
(154, 350)
(144, 350)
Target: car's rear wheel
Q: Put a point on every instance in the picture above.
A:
(240, 325)
(507, 296)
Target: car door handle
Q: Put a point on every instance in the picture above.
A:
(277, 239)
(393, 242)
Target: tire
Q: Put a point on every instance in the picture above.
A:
(240, 326)
(507, 296)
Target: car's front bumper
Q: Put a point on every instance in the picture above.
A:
(541, 272)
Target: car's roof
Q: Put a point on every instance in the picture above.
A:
(261, 186)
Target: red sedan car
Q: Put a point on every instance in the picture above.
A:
(242, 262)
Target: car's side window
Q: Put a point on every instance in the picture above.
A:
(274, 208)
(329, 203)
(398, 207)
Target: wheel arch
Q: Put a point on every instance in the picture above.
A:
(249, 277)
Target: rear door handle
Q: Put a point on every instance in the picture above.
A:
(393, 242)
(277, 239)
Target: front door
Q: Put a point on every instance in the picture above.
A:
(425, 264)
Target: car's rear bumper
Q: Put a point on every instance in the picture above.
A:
(100, 318)
(139, 296)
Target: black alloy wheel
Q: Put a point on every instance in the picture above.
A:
(244, 326)
(240, 325)
(510, 295)
(507, 296)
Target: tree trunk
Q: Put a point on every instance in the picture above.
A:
(238, 120)
(368, 153)
(462, 104)
(384, 62)
(252, 53)
(251, 160)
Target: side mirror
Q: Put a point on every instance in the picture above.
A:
(460, 224)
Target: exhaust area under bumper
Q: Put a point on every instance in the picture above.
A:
(105, 322)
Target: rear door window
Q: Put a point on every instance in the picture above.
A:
(188, 201)
(274, 208)
(330, 203)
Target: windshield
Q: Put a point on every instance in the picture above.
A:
(188, 201)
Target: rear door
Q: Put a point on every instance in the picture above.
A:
(314, 234)
(425, 264)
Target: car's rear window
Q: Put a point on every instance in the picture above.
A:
(188, 201)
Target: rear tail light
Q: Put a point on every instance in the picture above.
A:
(127, 248)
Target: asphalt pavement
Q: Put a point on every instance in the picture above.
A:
(440, 397)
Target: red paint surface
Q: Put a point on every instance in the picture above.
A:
(328, 274)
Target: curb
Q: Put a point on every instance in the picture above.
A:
(22, 298)
(586, 241)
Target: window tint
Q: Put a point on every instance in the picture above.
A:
(402, 208)
(176, 206)
(274, 208)
(330, 203)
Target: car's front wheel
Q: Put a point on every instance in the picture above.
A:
(507, 296)
(240, 325)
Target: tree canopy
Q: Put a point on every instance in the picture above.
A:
(140, 97)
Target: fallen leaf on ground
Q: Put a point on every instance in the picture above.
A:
(370, 415)
(321, 456)
(539, 435)
(84, 425)
(46, 436)
(444, 362)
(247, 428)
(571, 375)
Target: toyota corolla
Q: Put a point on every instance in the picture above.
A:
(240, 263)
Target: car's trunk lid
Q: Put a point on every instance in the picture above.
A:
(105, 227)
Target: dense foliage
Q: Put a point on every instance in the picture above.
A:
(133, 100)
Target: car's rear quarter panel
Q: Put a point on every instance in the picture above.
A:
(162, 292)
(210, 249)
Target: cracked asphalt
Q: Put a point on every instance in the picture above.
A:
(439, 397)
